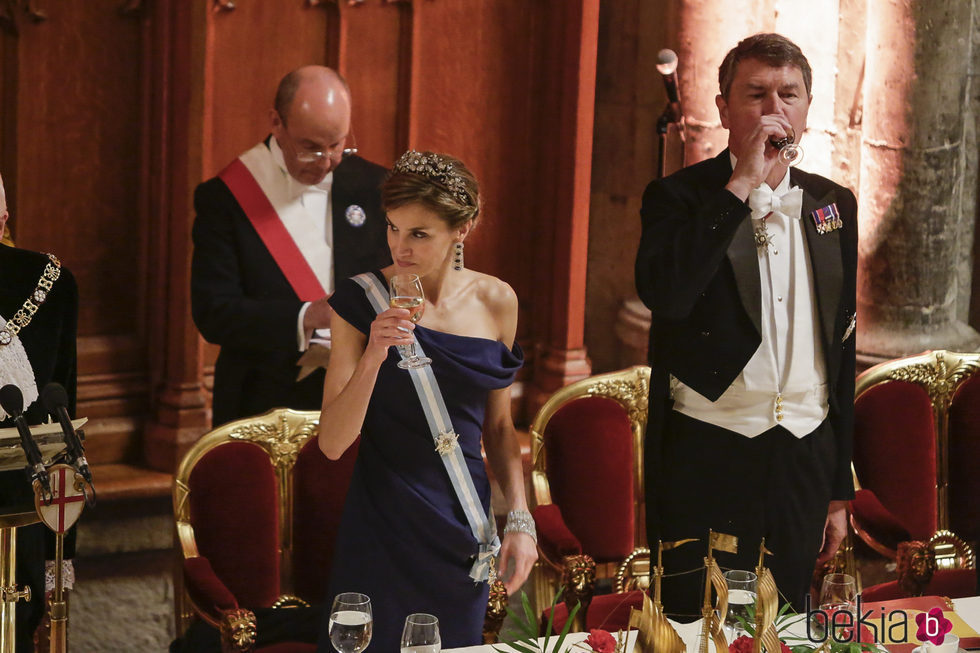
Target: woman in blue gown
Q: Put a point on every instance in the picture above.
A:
(404, 537)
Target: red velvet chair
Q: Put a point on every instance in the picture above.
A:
(916, 443)
(587, 477)
(257, 507)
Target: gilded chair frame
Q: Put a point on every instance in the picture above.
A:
(630, 388)
(633, 572)
(940, 373)
(282, 433)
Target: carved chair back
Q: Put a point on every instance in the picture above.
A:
(261, 503)
(916, 440)
(587, 453)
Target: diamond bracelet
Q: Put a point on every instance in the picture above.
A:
(521, 521)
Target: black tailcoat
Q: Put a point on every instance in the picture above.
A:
(242, 301)
(697, 270)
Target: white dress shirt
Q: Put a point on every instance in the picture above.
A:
(317, 201)
(785, 380)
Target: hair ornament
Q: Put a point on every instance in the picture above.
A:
(434, 167)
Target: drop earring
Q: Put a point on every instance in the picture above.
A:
(458, 256)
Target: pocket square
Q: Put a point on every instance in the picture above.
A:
(827, 218)
(850, 327)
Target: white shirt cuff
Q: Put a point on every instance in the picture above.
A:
(302, 335)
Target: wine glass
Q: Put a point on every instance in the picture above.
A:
(741, 594)
(350, 622)
(838, 594)
(406, 292)
(421, 634)
(790, 152)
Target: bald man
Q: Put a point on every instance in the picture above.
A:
(38, 318)
(274, 231)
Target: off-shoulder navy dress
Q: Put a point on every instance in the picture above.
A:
(404, 540)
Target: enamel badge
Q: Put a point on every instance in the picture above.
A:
(827, 219)
(355, 215)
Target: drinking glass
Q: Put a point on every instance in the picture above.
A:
(790, 152)
(406, 292)
(350, 622)
(741, 594)
(838, 594)
(421, 634)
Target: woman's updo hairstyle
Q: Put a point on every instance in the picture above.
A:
(439, 182)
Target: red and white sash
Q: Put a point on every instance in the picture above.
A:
(286, 228)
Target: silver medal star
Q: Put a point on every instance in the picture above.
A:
(763, 238)
(446, 442)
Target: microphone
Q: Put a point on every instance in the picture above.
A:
(12, 401)
(667, 67)
(55, 401)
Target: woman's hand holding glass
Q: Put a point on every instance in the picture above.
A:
(390, 328)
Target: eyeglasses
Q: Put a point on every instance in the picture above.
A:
(306, 156)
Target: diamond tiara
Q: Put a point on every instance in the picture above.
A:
(433, 166)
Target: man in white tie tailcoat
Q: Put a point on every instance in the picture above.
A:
(274, 230)
(748, 267)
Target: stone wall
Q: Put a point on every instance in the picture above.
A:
(927, 240)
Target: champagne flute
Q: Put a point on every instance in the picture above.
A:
(741, 594)
(838, 594)
(790, 152)
(421, 634)
(350, 622)
(406, 292)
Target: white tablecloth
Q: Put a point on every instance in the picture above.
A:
(968, 609)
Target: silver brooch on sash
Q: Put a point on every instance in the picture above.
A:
(446, 442)
(355, 215)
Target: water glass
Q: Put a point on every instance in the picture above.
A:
(741, 595)
(838, 595)
(351, 622)
(421, 634)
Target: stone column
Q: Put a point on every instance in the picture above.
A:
(911, 222)
(708, 30)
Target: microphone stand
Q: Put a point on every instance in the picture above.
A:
(670, 116)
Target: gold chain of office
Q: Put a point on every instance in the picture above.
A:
(24, 315)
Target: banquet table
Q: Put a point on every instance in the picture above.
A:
(967, 608)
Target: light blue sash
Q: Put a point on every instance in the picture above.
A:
(484, 528)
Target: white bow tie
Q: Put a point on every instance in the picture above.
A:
(763, 200)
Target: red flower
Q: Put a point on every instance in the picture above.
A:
(744, 645)
(741, 645)
(601, 641)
